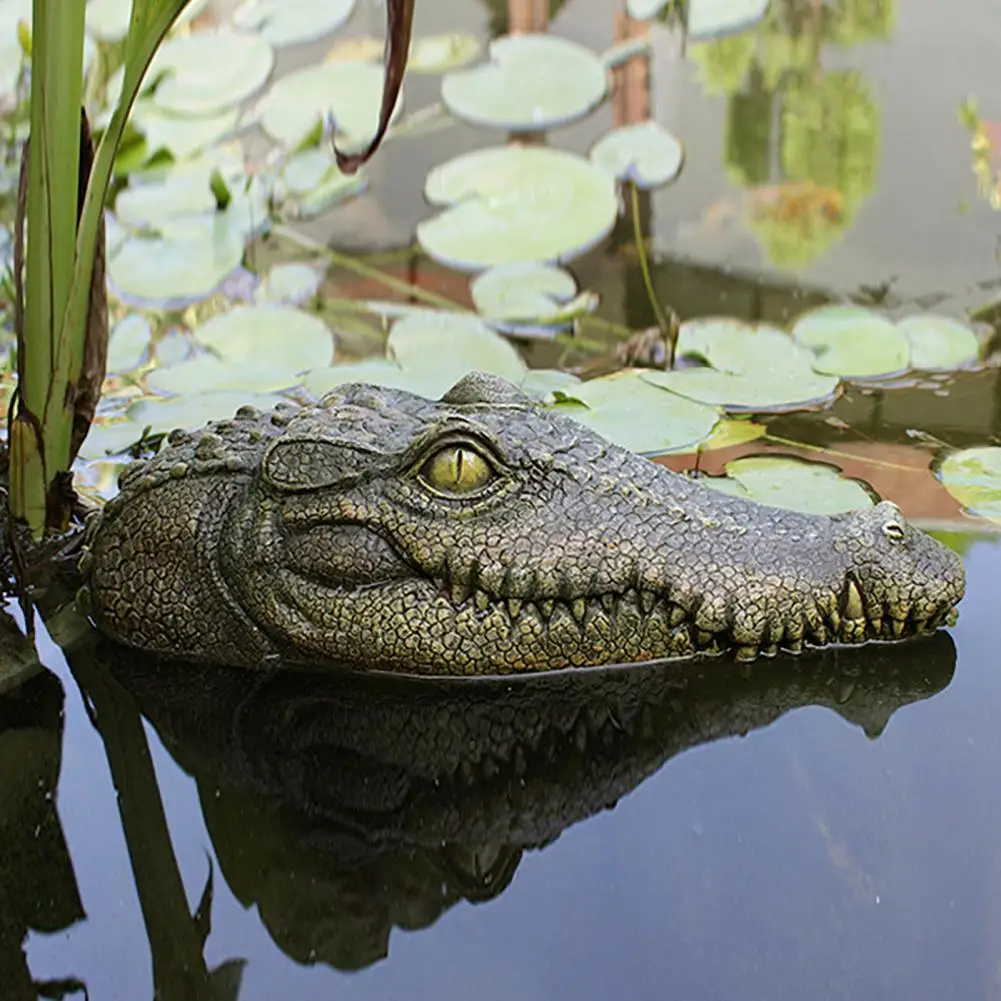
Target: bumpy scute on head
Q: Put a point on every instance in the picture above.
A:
(479, 534)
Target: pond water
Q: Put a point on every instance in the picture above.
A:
(823, 827)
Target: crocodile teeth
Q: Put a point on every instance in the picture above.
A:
(677, 616)
(746, 652)
(514, 607)
(579, 609)
(851, 601)
(898, 628)
(460, 593)
(546, 607)
(648, 601)
(794, 645)
(877, 625)
(834, 618)
(482, 600)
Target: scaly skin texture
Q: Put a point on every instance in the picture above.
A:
(478, 534)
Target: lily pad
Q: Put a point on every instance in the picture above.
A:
(109, 438)
(129, 343)
(541, 383)
(108, 20)
(529, 298)
(314, 183)
(752, 367)
(192, 411)
(631, 412)
(188, 262)
(287, 284)
(377, 371)
(973, 477)
(532, 82)
(289, 338)
(441, 53)
(181, 135)
(442, 347)
(515, 204)
(853, 342)
(207, 71)
(706, 18)
(645, 154)
(939, 343)
(794, 484)
(347, 92)
(253, 349)
(288, 22)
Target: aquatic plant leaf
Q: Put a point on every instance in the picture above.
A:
(181, 135)
(440, 348)
(532, 82)
(349, 93)
(207, 71)
(706, 18)
(314, 183)
(206, 373)
(713, 18)
(192, 411)
(289, 338)
(289, 22)
(853, 342)
(645, 154)
(109, 438)
(441, 53)
(185, 264)
(791, 483)
(524, 296)
(288, 285)
(541, 383)
(729, 432)
(129, 343)
(637, 415)
(973, 477)
(377, 371)
(108, 20)
(752, 367)
(515, 204)
(939, 343)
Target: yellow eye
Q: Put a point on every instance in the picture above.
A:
(457, 469)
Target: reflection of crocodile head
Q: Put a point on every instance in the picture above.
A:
(346, 805)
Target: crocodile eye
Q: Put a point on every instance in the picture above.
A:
(456, 469)
(894, 531)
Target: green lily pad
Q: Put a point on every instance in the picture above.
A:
(645, 154)
(377, 371)
(514, 204)
(348, 92)
(289, 338)
(287, 284)
(288, 22)
(752, 367)
(253, 349)
(192, 411)
(794, 484)
(181, 135)
(853, 342)
(441, 53)
(314, 183)
(633, 413)
(185, 264)
(939, 343)
(109, 438)
(108, 20)
(207, 71)
(129, 343)
(440, 348)
(706, 18)
(541, 383)
(532, 82)
(529, 298)
(973, 477)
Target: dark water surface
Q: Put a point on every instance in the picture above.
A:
(382, 842)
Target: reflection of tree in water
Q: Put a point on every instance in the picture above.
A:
(803, 142)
